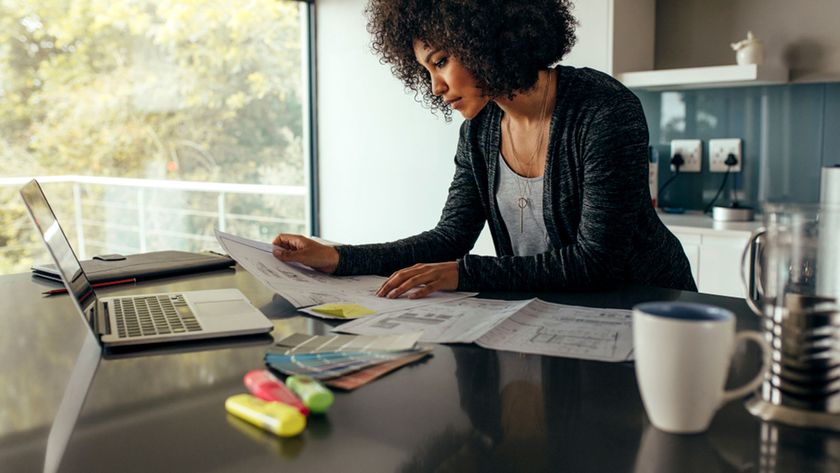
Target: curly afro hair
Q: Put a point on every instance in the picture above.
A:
(503, 43)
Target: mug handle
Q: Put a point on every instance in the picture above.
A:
(758, 232)
(751, 386)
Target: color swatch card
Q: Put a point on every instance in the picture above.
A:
(298, 343)
(359, 378)
(330, 357)
(332, 365)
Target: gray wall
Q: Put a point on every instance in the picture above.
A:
(385, 161)
(789, 132)
(804, 35)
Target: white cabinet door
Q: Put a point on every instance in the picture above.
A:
(691, 245)
(720, 265)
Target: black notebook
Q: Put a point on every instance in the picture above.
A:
(142, 266)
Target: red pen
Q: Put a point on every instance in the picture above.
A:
(267, 387)
(95, 285)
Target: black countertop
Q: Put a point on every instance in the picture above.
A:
(163, 409)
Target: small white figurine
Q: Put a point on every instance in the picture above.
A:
(749, 51)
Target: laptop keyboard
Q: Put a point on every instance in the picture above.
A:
(153, 315)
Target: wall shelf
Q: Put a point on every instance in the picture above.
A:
(705, 77)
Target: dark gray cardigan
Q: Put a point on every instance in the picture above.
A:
(596, 202)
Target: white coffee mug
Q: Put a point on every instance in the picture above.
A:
(683, 351)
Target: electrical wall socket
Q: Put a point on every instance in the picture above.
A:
(718, 151)
(691, 151)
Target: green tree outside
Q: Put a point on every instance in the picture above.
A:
(205, 91)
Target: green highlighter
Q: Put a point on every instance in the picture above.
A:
(314, 396)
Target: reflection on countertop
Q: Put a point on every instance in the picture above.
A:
(30, 400)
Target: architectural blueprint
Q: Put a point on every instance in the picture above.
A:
(304, 287)
(527, 326)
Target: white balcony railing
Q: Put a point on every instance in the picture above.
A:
(141, 187)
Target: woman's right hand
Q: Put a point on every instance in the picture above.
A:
(299, 249)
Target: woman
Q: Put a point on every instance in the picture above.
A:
(555, 159)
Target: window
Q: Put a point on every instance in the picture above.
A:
(150, 123)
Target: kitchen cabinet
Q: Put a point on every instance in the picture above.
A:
(614, 36)
(691, 246)
(713, 250)
(715, 261)
(720, 265)
(617, 37)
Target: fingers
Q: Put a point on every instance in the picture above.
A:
(296, 255)
(299, 249)
(411, 283)
(425, 290)
(405, 280)
(289, 247)
(397, 279)
(290, 241)
(279, 239)
(288, 255)
(428, 278)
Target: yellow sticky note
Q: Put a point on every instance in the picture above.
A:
(348, 311)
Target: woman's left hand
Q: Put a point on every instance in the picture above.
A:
(429, 277)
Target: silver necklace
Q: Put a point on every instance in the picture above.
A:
(524, 183)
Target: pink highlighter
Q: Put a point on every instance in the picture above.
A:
(264, 385)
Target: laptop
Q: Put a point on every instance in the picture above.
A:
(147, 318)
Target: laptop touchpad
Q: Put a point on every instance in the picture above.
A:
(222, 308)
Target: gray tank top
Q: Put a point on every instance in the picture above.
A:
(526, 226)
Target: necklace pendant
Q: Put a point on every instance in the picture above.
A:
(522, 202)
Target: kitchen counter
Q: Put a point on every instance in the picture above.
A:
(697, 222)
(162, 408)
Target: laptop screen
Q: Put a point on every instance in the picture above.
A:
(71, 272)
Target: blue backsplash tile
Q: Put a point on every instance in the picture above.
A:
(831, 126)
(789, 132)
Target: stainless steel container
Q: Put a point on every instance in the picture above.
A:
(732, 214)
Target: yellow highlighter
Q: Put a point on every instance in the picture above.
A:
(277, 418)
